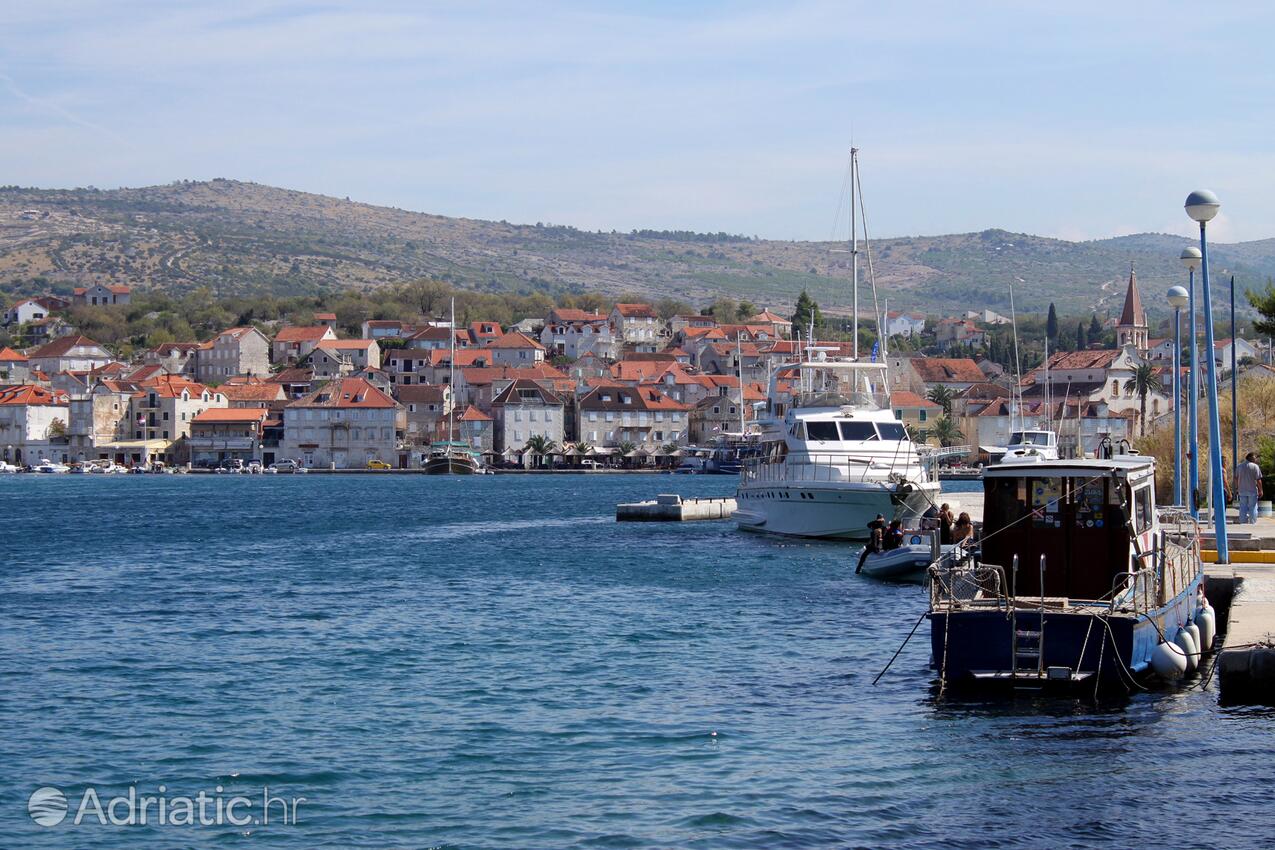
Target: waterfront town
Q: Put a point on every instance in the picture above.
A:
(624, 386)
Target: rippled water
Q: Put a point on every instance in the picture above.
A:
(494, 662)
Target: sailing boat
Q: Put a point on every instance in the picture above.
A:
(452, 456)
(1027, 443)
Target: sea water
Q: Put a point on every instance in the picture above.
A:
(494, 662)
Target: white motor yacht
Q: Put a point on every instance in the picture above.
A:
(47, 466)
(833, 458)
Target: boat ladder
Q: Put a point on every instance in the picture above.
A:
(1028, 644)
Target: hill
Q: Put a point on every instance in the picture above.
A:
(243, 238)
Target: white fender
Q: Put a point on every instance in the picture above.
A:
(1187, 644)
(1195, 637)
(1207, 622)
(1168, 661)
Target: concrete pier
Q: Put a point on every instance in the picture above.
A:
(1246, 662)
(670, 507)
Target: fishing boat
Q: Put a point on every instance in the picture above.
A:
(1039, 444)
(1078, 580)
(450, 457)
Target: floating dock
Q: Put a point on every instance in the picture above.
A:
(670, 507)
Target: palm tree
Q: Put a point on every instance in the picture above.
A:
(623, 449)
(1144, 381)
(946, 432)
(541, 446)
(942, 396)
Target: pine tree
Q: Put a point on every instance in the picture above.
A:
(1051, 323)
(1095, 328)
(806, 310)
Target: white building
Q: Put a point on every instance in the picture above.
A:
(344, 424)
(237, 351)
(69, 353)
(526, 409)
(29, 418)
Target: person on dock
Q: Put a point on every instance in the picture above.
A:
(1248, 479)
(945, 524)
(964, 529)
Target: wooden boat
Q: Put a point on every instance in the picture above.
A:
(451, 458)
(1078, 580)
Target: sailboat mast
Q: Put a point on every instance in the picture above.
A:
(854, 253)
(739, 362)
(1018, 365)
(451, 366)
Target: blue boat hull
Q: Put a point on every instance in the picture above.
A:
(976, 646)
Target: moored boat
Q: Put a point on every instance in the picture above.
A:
(50, 467)
(451, 458)
(1078, 580)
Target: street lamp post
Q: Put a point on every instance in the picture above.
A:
(1201, 206)
(1178, 298)
(1190, 258)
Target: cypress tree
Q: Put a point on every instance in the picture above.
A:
(1051, 323)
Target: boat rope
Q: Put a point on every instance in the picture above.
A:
(947, 622)
(1102, 650)
(1084, 645)
(1132, 679)
(915, 626)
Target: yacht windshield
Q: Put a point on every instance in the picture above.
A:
(1029, 438)
(823, 431)
(857, 431)
(892, 431)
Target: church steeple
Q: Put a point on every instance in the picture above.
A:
(1132, 329)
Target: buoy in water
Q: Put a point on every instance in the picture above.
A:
(1168, 661)
(1187, 644)
(1207, 623)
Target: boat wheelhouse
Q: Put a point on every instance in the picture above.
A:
(1077, 578)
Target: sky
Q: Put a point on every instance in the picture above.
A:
(1071, 119)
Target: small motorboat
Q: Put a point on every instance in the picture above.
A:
(50, 467)
(7, 468)
(909, 562)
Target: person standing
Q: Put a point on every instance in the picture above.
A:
(1248, 477)
(945, 525)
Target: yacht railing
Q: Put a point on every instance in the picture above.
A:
(956, 584)
(831, 468)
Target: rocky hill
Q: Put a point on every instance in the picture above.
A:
(236, 238)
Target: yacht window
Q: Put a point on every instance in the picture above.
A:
(824, 431)
(1142, 508)
(857, 431)
(891, 431)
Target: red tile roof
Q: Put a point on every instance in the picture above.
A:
(570, 314)
(62, 346)
(515, 339)
(8, 355)
(473, 414)
(939, 370)
(346, 393)
(1099, 358)
(637, 311)
(421, 393)
(767, 317)
(302, 334)
(347, 344)
(1133, 314)
(907, 398)
(251, 392)
(30, 394)
(230, 414)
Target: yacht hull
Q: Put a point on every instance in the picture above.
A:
(839, 512)
(450, 466)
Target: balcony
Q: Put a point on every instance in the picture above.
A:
(221, 444)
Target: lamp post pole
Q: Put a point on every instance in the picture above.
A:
(1202, 206)
(1177, 298)
(1191, 259)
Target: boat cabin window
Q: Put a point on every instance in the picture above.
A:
(1142, 509)
(892, 431)
(1031, 438)
(857, 430)
(823, 431)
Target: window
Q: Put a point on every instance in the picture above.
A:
(822, 431)
(856, 430)
(891, 431)
(921, 416)
(593, 416)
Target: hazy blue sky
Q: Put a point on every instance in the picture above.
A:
(1070, 119)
